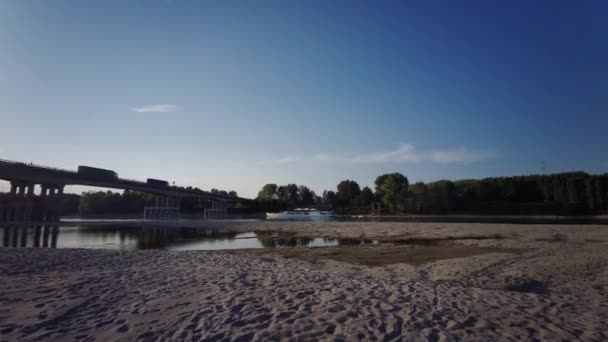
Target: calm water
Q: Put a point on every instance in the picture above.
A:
(129, 238)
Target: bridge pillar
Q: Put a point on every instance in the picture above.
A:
(22, 204)
(29, 202)
(48, 206)
(6, 237)
(3, 208)
(56, 199)
(218, 211)
(37, 231)
(46, 232)
(40, 209)
(11, 205)
(17, 206)
(14, 235)
(164, 207)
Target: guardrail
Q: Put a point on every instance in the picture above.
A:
(36, 166)
(132, 180)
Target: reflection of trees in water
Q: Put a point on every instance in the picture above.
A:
(217, 234)
(142, 237)
(266, 238)
(164, 237)
(354, 242)
(349, 242)
(273, 239)
(155, 237)
(267, 242)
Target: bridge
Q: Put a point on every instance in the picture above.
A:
(24, 205)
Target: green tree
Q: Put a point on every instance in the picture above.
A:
(329, 198)
(590, 194)
(392, 190)
(441, 194)
(348, 190)
(546, 186)
(576, 191)
(306, 197)
(288, 194)
(416, 202)
(601, 186)
(365, 197)
(268, 193)
(69, 204)
(560, 193)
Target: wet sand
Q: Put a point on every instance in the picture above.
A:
(424, 282)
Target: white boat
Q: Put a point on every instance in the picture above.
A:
(301, 213)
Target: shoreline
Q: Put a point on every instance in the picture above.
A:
(213, 224)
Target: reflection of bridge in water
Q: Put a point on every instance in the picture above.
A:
(149, 237)
(20, 236)
(22, 204)
(129, 237)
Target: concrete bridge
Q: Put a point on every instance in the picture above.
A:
(24, 205)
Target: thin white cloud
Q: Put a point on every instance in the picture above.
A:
(159, 108)
(286, 160)
(405, 153)
(459, 155)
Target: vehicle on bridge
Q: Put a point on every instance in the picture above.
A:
(96, 173)
(157, 182)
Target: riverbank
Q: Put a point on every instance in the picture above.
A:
(425, 281)
(235, 222)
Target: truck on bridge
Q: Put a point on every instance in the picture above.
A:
(157, 182)
(95, 173)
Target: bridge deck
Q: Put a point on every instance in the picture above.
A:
(30, 173)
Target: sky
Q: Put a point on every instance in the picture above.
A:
(236, 94)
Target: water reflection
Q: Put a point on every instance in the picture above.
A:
(129, 238)
(30, 236)
(273, 239)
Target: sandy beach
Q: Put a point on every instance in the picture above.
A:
(423, 281)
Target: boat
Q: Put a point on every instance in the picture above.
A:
(301, 213)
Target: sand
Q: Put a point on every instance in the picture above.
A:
(488, 282)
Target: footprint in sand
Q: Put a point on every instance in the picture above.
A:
(123, 328)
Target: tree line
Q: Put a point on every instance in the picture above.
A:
(555, 194)
(561, 193)
(127, 202)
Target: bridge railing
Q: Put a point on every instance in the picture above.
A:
(36, 166)
(132, 180)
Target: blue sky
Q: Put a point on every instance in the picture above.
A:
(236, 94)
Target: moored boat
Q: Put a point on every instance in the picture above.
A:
(301, 213)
